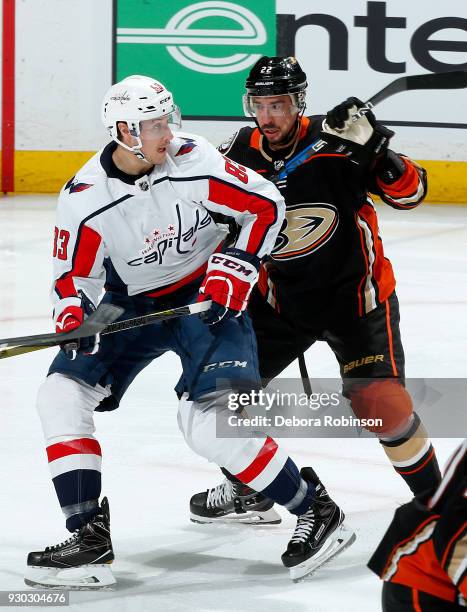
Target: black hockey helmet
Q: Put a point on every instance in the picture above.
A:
(276, 76)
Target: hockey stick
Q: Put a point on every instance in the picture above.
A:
(455, 79)
(94, 324)
(19, 350)
(11, 347)
(162, 315)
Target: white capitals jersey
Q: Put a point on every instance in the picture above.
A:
(155, 232)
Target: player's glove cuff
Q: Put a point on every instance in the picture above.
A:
(230, 277)
(390, 168)
(69, 319)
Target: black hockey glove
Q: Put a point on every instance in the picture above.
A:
(347, 121)
(341, 115)
(70, 319)
(390, 167)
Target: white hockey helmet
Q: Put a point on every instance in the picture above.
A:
(136, 99)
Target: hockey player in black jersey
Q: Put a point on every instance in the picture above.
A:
(422, 556)
(327, 278)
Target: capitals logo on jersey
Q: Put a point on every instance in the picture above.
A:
(76, 187)
(156, 235)
(182, 240)
(306, 228)
(187, 147)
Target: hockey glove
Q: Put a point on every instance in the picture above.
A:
(391, 167)
(365, 131)
(230, 277)
(399, 182)
(70, 319)
(339, 121)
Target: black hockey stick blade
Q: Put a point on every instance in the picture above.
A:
(454, 79)
(104, 315)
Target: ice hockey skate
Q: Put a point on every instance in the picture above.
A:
(81, 562)
(320, 533)
(233, 502)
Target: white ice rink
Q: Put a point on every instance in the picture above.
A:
(164, 562)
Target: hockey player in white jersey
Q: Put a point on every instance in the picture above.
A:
(138, 222)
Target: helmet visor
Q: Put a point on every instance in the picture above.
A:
(156, 125)
(275, 106)
(174, 118)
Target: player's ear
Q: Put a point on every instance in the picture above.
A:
(124, 134)
(122, 129)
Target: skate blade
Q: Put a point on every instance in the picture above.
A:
(85, 577)
(269, 517)
(341, 539)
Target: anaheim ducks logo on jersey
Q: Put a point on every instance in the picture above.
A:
(306, 228)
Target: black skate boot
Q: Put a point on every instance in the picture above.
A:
(319, 535)
(81, 562)
(233, 502)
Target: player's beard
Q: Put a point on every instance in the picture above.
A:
(287, 140)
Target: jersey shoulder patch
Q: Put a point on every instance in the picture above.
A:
(88, 176)
(187, 145)
(75, 186)
(237, 141)
(225, 147)
(87, 191)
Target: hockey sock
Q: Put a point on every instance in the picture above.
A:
(276, 476)
(298, 504)
(290, 490)
(413, 457)
(75, 468)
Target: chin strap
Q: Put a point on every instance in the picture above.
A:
(136, 150)
(140, 156)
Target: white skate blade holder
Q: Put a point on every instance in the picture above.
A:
(85, 577)
(341, 539)
(269, 517)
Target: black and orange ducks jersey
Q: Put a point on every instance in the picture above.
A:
(425, 547)
(329, 256)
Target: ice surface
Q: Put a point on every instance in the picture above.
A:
(164, 562)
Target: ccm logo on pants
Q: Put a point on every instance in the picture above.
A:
(225, 364)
